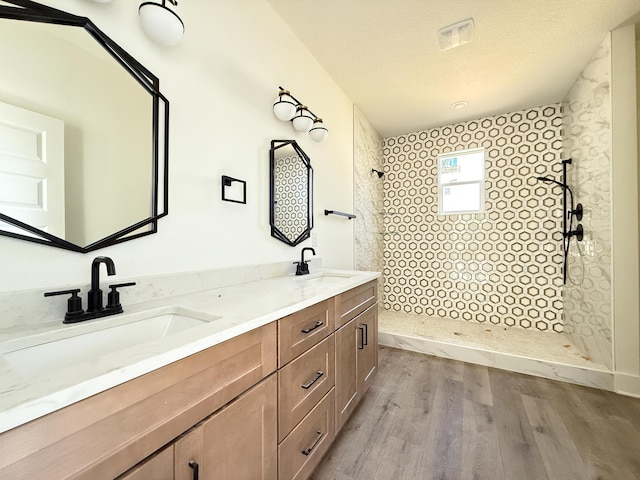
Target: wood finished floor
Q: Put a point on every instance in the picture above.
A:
(432, 418)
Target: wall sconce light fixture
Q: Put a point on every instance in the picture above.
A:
(160, 23)
(288, 108)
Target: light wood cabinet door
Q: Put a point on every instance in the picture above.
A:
(356, 361)
(367, 350)
(346, 372)
(238, 442)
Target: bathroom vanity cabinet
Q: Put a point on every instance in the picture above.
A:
(264, 404)
(356, 347)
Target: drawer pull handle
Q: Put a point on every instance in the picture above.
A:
(362, 342)
(196, 469)
(314, 445)
(310, 329)
(307, 386)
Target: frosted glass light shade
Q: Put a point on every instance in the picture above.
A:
(318, 131)
(303, 120)
(160, 24)
(284, 107)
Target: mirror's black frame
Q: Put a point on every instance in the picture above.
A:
(27, 10)
(275, 231)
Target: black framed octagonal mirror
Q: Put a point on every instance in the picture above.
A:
(83, 133)
(291, 202)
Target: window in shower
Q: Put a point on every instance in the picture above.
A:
(461, 182)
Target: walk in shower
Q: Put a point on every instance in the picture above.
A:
(493, 282)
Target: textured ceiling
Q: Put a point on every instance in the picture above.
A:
(384, 53)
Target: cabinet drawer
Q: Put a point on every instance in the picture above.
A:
(355, 301)
(300, 331)
(305, 446)
(303, 382)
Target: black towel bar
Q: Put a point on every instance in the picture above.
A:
(335, 212)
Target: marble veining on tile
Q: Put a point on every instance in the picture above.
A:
(368, 190)
(535, 353)
(587, 140)
(29, 308)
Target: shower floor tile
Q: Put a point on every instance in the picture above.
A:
(549, 355)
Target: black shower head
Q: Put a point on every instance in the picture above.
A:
(380, 174)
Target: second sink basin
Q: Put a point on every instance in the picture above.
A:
(326, 277)
(72, 345)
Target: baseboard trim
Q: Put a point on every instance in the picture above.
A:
(627, 384)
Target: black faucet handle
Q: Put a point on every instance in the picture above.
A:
(74, 304)
(113, 299)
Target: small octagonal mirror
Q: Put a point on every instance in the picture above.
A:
(291, 205)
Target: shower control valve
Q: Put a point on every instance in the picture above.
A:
(578, 233)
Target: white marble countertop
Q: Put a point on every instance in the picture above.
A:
(241, 308)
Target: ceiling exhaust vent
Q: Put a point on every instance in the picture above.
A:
(456, 35)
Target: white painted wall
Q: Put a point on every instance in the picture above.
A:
(626, 312)
(221, 81)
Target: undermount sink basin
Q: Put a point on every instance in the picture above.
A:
(326, 277)
(69, 346)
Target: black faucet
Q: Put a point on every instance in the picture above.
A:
(303, 267)
(94, 297)
(75, 313)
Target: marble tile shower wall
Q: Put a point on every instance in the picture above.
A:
(502, 267)
(587, 139)
(368, 193)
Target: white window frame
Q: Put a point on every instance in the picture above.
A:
(479, 182)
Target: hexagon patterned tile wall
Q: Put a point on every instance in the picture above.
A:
(501, 267)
